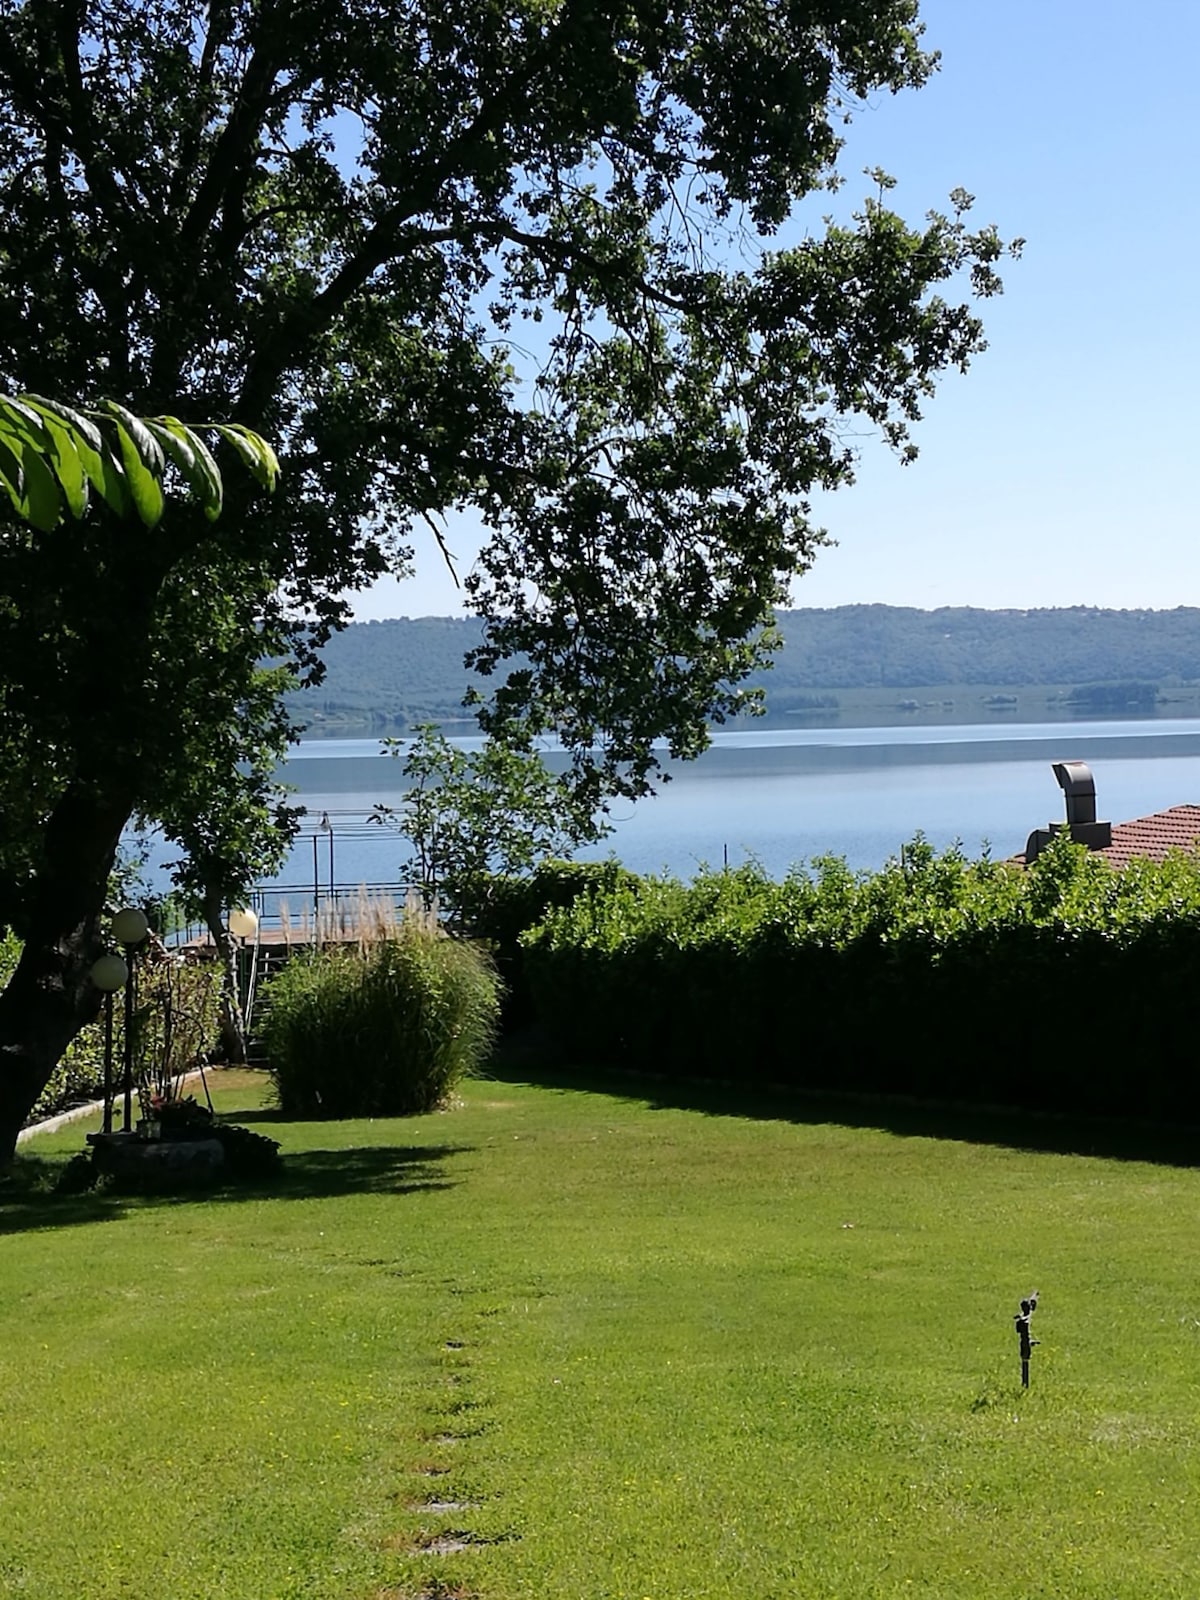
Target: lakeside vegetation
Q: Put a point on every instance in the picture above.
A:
(1067, 985)
(613, 1341)
(852, 664)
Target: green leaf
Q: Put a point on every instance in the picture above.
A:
(39, 500)
(202, 474)
(25, 420)
(11, 477)
(100, 468)
(149, 451)
(142, 459)
(64, 457)
(75, 419)
(255, 452)
(107, 477)
(22, 430)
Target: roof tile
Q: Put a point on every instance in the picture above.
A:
(1175, 829)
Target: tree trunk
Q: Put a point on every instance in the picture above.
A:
(231, 1021)
(50, 996)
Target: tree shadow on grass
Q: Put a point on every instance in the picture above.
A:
(254, 1115)
(1048, 1133)
(28, 1199)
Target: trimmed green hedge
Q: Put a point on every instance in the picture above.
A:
(1070, 986)
(497, 909)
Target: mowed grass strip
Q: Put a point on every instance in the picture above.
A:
(553, 1342)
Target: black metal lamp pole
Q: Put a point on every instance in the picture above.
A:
(108, 1083)
(109, 973)
(130, 987)
(130, 928)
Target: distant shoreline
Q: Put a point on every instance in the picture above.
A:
(920, 705)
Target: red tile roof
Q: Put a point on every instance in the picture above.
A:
(1153, 836)
(1177, 828)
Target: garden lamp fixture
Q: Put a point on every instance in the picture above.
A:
(130, 927)
(109, 973)
(243, 924)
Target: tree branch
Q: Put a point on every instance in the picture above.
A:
(379, 244)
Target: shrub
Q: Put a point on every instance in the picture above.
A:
(382, 1029)
(497, 908)
(79, 1076)
(175, 1024)
(1070, 986)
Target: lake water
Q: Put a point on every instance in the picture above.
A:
(781, 796)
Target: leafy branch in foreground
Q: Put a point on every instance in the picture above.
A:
(53, 458)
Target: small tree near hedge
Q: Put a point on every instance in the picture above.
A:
(383, 1029)
(477, 818)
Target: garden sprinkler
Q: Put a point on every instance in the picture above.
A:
(1021, 1322)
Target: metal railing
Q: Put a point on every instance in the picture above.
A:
(300, 911)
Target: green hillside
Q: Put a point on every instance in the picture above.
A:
(386, 676)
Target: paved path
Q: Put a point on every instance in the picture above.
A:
(52, 1124)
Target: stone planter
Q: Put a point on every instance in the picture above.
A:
(157, 1163)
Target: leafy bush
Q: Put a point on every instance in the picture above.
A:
(383, 1029)
(497, 908)
(248, 1155)
(79, 1076)
(175, 1024)
(1069, 986)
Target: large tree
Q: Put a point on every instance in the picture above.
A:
(444, 253)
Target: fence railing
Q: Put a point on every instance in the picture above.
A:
(303, 911)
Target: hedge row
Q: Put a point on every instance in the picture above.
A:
(496, 910)
(1070, 986)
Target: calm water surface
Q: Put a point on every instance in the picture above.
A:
(780, 796)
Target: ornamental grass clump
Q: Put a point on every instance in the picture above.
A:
(385, 1028)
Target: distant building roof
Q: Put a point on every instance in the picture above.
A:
(1177, 828)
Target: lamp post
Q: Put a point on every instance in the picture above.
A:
(327, 827)
(243, 925)
(109, 974)
(129, 928)
(1022, 1321)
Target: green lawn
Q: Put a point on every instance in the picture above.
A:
(649, 1351)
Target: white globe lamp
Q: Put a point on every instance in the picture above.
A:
(130, 926)
(243, 924)
(109, 973)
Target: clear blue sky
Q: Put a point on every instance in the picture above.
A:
(1061, 470)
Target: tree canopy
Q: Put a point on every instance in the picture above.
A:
(340, 225)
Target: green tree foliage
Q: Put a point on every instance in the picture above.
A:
(334, 224)
(88, 486)
(473, 818)
(1066, 986)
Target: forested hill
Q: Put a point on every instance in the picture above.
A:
(392, 674)
(861, 646)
